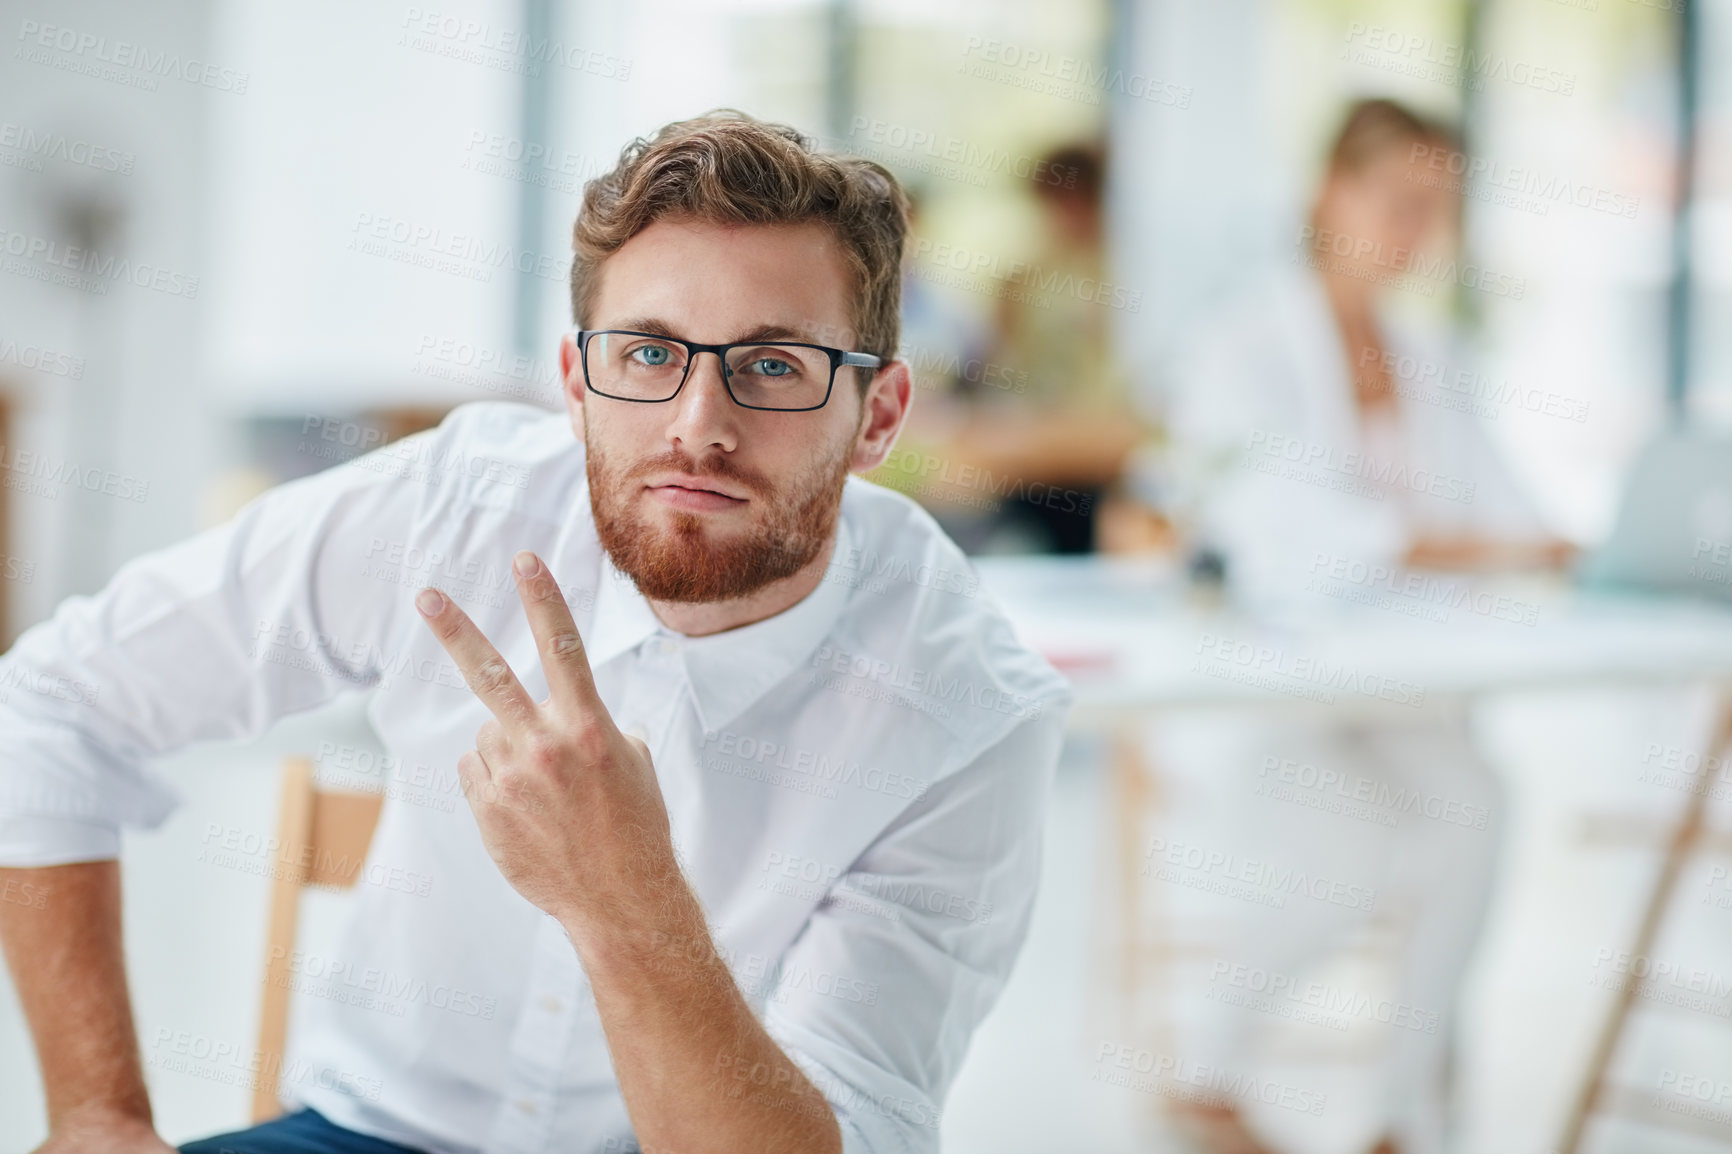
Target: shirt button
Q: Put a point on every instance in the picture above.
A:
(666, 647)
(526, 1105)
(551, 1004)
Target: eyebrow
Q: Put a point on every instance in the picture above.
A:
(660, 328)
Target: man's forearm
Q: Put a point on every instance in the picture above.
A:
(697, 1070)
(61, 931)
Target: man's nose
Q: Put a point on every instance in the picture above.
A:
(704, 414)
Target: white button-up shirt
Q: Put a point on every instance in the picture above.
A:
(855, 785)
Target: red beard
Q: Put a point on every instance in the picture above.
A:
(681, 564)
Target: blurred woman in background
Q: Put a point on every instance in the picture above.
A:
(1314, 434)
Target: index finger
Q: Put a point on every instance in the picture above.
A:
(487, 673)
(563, 659)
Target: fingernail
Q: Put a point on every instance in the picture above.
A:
(526, 564)
(429, 601)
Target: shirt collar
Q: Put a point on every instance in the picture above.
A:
(730, 671)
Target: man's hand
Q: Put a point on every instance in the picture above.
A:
(104, 1132)
(568, 806)
(570, 809)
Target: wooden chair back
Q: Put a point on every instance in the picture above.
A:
(323, 836)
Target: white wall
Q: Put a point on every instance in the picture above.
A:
(139, 408)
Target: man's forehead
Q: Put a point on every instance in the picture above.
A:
(734, 280)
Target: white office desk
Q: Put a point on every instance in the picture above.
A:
(1134, 640)
(1132, 637)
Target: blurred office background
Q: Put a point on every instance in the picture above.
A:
(357, 217)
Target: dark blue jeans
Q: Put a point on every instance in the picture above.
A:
(304, 1132)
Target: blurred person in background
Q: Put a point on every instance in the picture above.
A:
(1050, 420)
(948, 350)
(1313, 358)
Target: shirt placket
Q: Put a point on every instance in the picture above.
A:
(558, 1037)
(540, 1043)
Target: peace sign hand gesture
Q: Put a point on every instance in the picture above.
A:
(568, 806)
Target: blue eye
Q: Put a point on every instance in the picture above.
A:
(653, 356)
(772, 367)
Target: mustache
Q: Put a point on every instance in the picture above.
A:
(714, 465)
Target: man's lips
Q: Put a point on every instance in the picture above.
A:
(694, 493)
(700, 484)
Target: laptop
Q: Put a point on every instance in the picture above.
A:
(1673, 533)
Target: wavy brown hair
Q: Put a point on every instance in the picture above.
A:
(730, 168)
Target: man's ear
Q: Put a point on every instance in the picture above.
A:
(571, 376)
(885, 409)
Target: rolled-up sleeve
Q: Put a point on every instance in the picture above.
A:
(879, 995)
(212, 638)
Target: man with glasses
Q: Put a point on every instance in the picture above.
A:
(752, 770)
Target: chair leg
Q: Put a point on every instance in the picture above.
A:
(1682, 845)
(294, 829)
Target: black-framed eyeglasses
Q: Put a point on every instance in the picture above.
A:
(782, 376)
